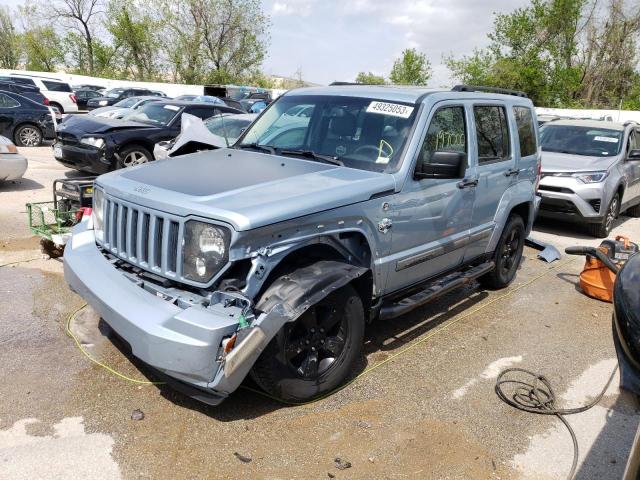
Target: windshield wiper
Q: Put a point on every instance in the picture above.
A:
(255, 146)
(314, 155)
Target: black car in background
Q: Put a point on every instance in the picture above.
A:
(24, 121)
(84, 95)
(98, 145)
(116, 94)
(31, 92)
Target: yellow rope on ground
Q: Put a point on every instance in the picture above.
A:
(96, 361)
(360, 375)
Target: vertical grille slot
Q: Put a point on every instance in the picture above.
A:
(144, 254)
(133, 251)
(172, 250)
(122, 230)
(157, 238)
(107, 229)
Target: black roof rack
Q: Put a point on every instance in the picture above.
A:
(476, 88)
(340, 84)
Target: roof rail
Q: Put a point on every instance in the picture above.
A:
(340, 84)
(477, 88)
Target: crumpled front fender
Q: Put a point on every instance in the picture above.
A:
(283, 301)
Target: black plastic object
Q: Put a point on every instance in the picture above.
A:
(480, 88)
(626, 323)
(594, 252)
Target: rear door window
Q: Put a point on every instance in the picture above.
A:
(25, 81)
(526, 131)
(7, 102)
(492, 133)
(56, 86)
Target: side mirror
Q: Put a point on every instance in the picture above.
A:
(443, 165)
(634, 155)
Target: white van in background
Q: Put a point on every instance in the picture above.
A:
(59, 93)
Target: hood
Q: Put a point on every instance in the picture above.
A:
(566, 162)
(243, 188)
(95, 124)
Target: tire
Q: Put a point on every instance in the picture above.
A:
(57, 105)
(292, 370)
(28, 135)
(507, 255)
(602, 229)
(134, 155)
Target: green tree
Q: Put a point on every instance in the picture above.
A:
(133, 34)
(9, 41)
(369, 78)
(43, 49)
(412, 68)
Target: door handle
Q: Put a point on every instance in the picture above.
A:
(467, 183)
(512, 171)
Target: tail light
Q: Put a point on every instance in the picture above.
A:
(46, 101)
(73, 98)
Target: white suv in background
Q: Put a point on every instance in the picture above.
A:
(59, 93)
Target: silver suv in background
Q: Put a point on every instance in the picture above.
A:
(590, 172)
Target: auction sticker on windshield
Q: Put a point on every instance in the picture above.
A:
(172, 107)
(393, 109)
(606, 139)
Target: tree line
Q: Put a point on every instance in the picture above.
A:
(182, 41)
(562, 53)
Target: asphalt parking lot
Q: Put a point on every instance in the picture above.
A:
(425, 408)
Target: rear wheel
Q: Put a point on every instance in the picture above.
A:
(57, 105)
(134, 155)
(602, 229)
(316, 353)
(28, 136)
(507, 256)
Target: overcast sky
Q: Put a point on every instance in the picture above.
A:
(335, 39)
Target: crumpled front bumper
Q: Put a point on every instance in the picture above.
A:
(182, 343)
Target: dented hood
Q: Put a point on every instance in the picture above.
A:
(246, 189)
(97, 124)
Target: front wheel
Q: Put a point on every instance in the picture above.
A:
(507, 255)
(602, 229)
(316, 353)
(134, 155)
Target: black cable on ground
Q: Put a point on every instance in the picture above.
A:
(533, 393)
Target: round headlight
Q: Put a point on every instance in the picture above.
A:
(212, 241)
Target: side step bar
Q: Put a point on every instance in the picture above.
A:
(434, 290)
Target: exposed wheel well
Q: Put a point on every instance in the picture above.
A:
(316, 252)
(524, 211)
(57, 105)
(620, 191)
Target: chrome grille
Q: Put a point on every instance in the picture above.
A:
(143, 237)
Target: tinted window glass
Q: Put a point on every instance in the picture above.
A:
(580, 140)
(447, 133)
(7, 102)
(492, 133)
(526, 132)
(56, 86)
(202, 112)
(154, 114)
(26, 81)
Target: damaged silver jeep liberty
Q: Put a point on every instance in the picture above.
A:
(339, 205)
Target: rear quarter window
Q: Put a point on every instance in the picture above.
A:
(7, 102)
(25, 81)
(56, 86)
(526, 131)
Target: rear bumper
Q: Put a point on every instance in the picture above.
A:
(182, 343)
(12, 166)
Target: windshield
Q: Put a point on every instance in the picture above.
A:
(227, 126)
(363, 133)
(580, 140)
(127, 102)
(154, 114)
(114, 93)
